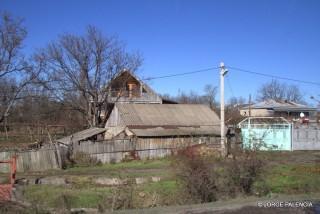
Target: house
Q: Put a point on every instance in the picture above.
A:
(128, 88)
(140, 124)
(146, 114)
(279, 108)
(156, 124)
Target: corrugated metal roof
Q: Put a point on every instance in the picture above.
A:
(82, 135)
(173, 119)
(179, 131)
(280, 105)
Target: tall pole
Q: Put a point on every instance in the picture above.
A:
(223, 72)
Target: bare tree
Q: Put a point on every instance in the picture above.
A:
(210, 95)
(12, 35)
(78, 69)
(13, 64)
(293, 93)
(272, 90)
(232, 110)
(207, 98)
(279, 91)
(236, 101)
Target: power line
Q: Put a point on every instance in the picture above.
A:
(182, 74)
(145, 79)
(274, 76)
(229, 85)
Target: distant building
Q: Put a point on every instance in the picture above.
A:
(279, 108)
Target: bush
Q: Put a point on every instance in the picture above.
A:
(63, 202)
(83, 159)
(205, 179)
(122, 197)
(197, 179)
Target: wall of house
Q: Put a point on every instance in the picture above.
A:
(114, 119)
(127, 89)
(257, 112)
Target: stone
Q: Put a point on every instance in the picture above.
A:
(141, 180)
(142, 194)
(155, 179)
(52, 181)
(109, 181)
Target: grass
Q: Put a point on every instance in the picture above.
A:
(284, 174)
(62, 197)
(167, 187)
(293, 178)
(132, 165)
(83, 192)
(92, 197)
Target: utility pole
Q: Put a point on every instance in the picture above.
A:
(223, 72)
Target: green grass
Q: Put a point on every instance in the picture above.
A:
(292, 178)
(136, 164)
(282, 176)
(62, 197)
(91, 197)
(166, 186)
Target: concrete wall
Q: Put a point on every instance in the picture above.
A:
(306, 137)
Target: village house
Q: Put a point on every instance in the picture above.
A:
(128, 88)
(141, 124)
(279, 108)
(279, 125)
(188, 123)
(146, 116)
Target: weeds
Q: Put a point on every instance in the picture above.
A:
(82, 159)
(205, 179)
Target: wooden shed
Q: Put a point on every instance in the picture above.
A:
(167, 126)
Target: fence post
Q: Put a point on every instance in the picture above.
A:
(58, 154)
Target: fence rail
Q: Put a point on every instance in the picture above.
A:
(143, 148)
(32, 160)
(54, 156)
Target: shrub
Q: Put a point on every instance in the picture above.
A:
(63, 202)
(197, 178)
(122, 197)
(83, 159)
(205, 179)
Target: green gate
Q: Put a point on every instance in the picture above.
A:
(266, 133)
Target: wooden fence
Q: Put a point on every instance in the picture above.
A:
(113, 151)
(33, 160)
